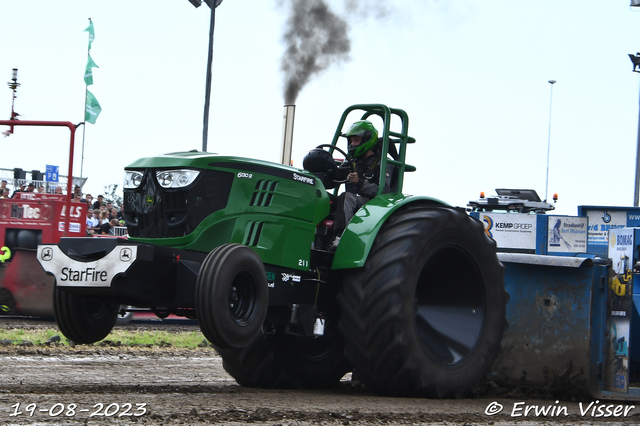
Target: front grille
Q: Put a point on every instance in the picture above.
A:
(151, 211)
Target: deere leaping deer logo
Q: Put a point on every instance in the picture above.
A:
(47, 253)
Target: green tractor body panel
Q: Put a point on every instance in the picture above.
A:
(361, 232)
(272, 208)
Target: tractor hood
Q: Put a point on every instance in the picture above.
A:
(192, 200)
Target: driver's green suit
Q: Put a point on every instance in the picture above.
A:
(356, 195)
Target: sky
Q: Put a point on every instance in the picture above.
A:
(472, 76)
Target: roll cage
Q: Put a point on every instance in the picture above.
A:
(389, 140)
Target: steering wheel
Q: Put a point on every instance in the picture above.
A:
(347, 158)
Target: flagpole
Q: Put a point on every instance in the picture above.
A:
(83, 131)
(84, 128)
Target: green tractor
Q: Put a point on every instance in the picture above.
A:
(412, 298)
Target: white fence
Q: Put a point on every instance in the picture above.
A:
(120, 231)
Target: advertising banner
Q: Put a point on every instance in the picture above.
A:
(567, 234)
(619, 303)
(512, 231)
(601, 221)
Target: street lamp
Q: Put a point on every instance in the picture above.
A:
(546, 191)
(197, 3)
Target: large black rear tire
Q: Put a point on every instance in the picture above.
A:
(231, 296)
(82, 319)
(426, 314)
(285, 361)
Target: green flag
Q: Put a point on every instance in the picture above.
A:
(92, 34)
(93, 109)
(88, 73)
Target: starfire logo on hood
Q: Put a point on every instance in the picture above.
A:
(303, 179)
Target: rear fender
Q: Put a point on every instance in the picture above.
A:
(358, 237)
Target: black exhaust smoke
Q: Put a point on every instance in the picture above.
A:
(315, 39)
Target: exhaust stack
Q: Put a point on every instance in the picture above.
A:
(287, 134)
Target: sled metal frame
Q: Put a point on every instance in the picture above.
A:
(557, 322)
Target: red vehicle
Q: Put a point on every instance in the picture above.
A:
(27, 220)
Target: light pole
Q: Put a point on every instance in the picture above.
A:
(635, 60)
(213, 4)
(546, 190)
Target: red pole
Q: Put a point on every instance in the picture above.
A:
(72, 128)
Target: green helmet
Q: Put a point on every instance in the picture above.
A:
(367, 132)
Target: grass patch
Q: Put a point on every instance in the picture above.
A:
(183, 339)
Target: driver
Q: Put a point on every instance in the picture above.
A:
(362, 183)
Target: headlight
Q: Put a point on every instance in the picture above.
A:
(176, 178)
(132, 179)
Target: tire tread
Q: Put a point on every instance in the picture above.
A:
(372, 302)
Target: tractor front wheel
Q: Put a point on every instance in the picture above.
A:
(426, 313)
(82, 319)
(231, 296)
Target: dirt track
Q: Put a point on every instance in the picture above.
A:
(67, 386)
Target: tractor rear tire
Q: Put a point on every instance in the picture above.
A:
(83, 320)
(425, 315)
(285, 361)
(231, 296)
